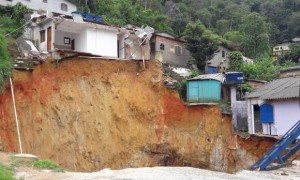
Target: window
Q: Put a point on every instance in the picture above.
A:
(27, 0)
(152, 47)
(8, 0)
(42, 36)
(162, 46)
(67, 40)
(64, 7)
(223, 53)
(178, 50)
(45, 1)
(277, 48)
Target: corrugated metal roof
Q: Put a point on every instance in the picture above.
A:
(291, 68)
(278, 89)
(219, 77)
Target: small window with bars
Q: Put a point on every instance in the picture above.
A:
(64, 7)
(178, 50)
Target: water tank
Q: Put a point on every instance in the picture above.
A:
(234, 77)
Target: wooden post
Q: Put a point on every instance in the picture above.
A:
(16, 115)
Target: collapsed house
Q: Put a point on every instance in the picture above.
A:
(86, 34)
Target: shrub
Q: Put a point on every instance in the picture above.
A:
(5, 173)
(181, 87)
(47, 164)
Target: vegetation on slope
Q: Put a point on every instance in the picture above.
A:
(11, 19)
(249, 26)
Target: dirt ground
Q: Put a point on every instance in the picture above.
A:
(151, 173)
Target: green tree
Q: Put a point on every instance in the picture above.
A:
(256, 37)
(292, 55)
(235, 60)
(263, 69)
(235, 38)
(201, 42)
(5, 62)
(294, 24)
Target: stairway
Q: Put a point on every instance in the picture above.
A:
(282, 150)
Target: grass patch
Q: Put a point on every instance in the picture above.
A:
(18, 162)
(47, 164)
(6, 173)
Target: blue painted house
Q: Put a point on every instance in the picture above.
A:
(205, 88)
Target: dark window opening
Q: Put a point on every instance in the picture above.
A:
(257, 123)
(42, 36)
(64, 7)
(152, 47)
(45, 1)
(178, 50)
(67, 40)
(223, 53)
(162, 46)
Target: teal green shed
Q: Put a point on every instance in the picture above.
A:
(205, 88)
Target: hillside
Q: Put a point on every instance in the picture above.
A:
(89, 114)
(225, 18)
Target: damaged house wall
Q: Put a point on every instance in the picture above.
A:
(102, 42)
(169, 50)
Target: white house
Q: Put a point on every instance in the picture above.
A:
(57, 6)
(275, 107)
(49, 34)
(88, 34)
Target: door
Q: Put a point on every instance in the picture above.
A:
(73, 44)
(257, 122)
(49, 38)
(193, 88)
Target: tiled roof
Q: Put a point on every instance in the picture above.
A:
(283, 88)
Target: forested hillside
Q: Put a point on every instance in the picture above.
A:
(278, 19)
(249, 26)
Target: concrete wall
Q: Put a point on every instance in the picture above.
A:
(59, 39)
(286, 114)
(81, 41)
(168, 54)
(50, 5)
(102, 42)
(241, 115)
(42, 46)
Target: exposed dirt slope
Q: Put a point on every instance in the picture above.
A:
(89, 114)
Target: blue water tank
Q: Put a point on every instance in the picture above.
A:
(234, 77)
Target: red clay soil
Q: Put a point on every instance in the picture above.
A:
(90, 114)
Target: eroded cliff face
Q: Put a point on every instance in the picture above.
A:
(90, 114)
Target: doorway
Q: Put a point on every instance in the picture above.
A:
(73, 44)
(49, 38)
(257, 122)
